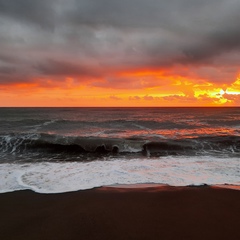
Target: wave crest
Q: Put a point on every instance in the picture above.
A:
(49, 143)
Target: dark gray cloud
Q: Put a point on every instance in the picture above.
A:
(7, 70)
(196, 30)
(97, 37)
(29, 11)
(151, 13)
(63, 68)
(16, 77)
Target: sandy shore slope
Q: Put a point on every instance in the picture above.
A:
(157, 212)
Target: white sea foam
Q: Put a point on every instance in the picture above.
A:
(55, 177)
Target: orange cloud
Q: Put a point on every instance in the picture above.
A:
(140, 88)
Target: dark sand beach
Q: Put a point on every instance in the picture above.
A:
(159, 212)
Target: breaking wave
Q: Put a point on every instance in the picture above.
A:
(72, 145)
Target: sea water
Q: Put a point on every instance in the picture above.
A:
(52, 150)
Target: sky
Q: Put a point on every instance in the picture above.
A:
(119, 53)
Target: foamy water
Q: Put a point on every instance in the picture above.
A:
(52, 150)
(59, 177)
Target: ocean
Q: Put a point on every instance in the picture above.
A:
(53, 150)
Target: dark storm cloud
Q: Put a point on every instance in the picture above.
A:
(7, 58)
(116, 35)
(213, 45)
(63, 68)
(201, 29)
(7, 70)
(142, 13)
(30, 11)
(15, 77)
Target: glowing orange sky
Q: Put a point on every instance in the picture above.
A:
(154, 89)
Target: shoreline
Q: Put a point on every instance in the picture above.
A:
(132, 187)
(148, 212)
(159, 186)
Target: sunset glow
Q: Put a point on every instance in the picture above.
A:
(69, 56)
(148, 91)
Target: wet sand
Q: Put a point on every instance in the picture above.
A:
(157, 212)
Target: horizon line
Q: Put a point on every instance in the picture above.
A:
(119, 106)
